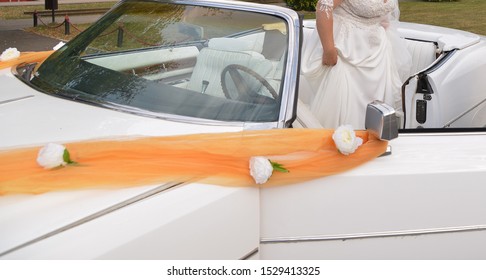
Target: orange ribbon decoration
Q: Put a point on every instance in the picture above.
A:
(26, 57)
(220, 158)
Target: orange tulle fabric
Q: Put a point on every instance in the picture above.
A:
(221, 158)
(26, 57)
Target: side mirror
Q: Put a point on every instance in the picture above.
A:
(381, 120)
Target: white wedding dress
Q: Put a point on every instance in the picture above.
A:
(371, 57)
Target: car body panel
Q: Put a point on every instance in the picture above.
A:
(457, 246)
(431, 196)
(400, 197)
(448, 39)
(425, 199)
(188, 222)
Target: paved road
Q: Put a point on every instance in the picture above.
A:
(12, 32)
(25, 41)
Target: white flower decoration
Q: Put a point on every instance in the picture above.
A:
(260, 169)
(53, 155)
(346, 140)
(9, 54)
(58, 46)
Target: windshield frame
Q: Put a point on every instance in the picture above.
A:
(289, 80)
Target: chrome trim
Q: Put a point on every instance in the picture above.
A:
(441, 133)
(441, 60)
(372, 234)
(381, 120)
(98, 214)
(163, 116)
(260, 126)
(463, 114)
(387, 152)
(16, 99)
(186, 119)
(292, 74)
(250, 254)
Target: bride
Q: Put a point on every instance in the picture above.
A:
(352, 58)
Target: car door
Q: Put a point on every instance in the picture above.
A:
(427, 199)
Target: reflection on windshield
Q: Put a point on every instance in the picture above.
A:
(191, 61)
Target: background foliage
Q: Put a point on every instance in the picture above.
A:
(302, 5)
(469, 15)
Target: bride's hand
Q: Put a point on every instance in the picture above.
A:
(330, 57)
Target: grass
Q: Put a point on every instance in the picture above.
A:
(57, 32)
(469, 15)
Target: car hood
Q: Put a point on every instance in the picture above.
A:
(29, 118)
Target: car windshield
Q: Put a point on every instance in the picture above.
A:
(163, 58)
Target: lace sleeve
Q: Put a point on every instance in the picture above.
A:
(326, 6)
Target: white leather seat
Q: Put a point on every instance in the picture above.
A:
(423, 55)
(220, 53)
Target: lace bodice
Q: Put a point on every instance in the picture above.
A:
(368, 8)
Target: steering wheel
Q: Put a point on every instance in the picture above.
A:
(244, 91)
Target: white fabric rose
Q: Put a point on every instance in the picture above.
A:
(260, 169)
(346, 140)
(9, 54)
(51, 156)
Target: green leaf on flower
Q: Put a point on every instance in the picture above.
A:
(278, 167)
(67, 157)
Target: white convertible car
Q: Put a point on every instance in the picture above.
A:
(163, 67)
